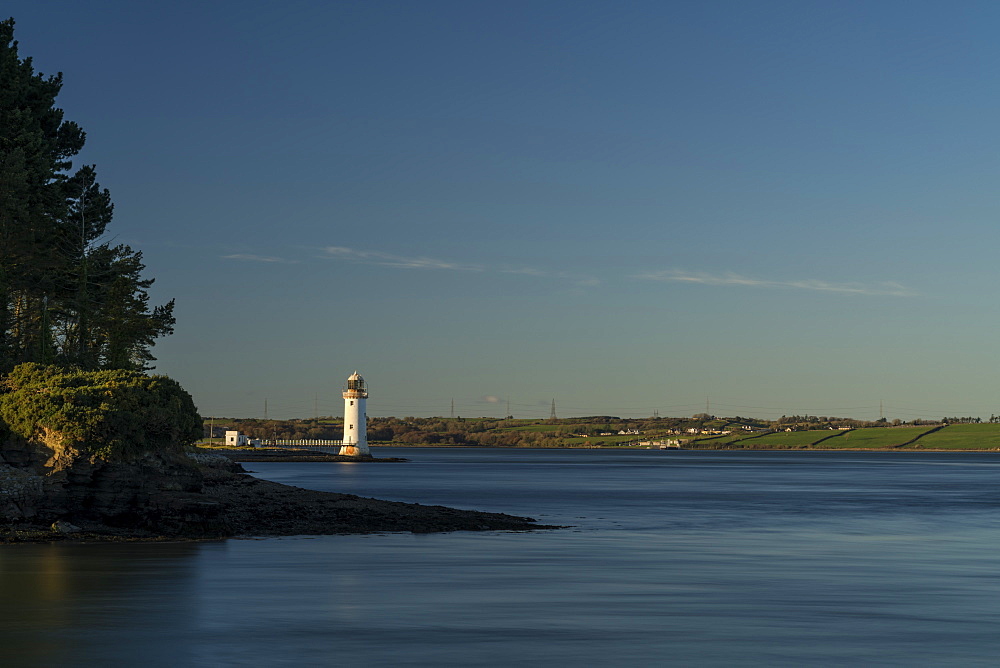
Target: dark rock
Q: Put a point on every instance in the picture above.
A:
(65, 527)
(46, 489)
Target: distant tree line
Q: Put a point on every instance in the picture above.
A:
(280, 429)
(494, 432)
(508, 432)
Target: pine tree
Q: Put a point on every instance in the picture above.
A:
(65, 297)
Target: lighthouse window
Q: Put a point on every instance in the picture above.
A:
(352, 403)
(352, 426)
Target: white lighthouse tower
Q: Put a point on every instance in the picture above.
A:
(355, 433)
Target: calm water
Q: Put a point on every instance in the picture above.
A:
(675, 558)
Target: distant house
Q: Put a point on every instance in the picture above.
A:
(629, 432)
(662, 444)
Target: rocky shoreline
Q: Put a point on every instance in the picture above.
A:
(264, 508)
(208, 497)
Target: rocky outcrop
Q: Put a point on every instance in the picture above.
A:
(42, 481)
(190, 494)
(255, 507)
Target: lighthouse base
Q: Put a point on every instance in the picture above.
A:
(354, 451)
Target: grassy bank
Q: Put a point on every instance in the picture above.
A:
(972, 437)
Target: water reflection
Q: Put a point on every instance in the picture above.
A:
(63, 602)
(684, 559)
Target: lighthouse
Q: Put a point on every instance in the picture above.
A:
(355, 433)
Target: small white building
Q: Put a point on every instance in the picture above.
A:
(237, 440)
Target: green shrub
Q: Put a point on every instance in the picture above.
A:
(109, 414)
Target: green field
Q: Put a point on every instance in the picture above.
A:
(874, 438)
(791, 439)
(719, 441)
(962, 437)
(952, 437)
(778, 440)
(540, 427)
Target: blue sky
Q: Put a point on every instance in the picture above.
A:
(774, 207)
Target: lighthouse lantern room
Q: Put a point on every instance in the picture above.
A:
(355, 433)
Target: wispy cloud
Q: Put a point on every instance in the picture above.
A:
(890, 289)
(523, 271)
(257, 258)
(397, 261)
(423, 262)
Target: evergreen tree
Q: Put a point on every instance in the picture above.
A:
(65, 297)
